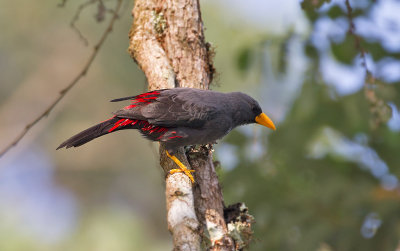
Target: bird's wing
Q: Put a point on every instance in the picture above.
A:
(169, 109)
(133, 111)
(141, 99)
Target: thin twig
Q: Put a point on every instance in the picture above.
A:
(76, 18)
(378, 107)
(357, 39)
(62, 4)
(64, 91)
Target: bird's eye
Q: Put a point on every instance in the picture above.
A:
(255, 109)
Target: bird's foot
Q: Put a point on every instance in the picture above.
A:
(182, 167)
(186, 171)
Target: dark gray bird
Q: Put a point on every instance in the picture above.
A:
(179, 117)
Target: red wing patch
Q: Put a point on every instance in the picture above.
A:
(116, 125)
(143, 99)
(148, 130)
(173, 137)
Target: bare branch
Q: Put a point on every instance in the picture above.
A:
(181, 215)
(167, 42)
(64, 91)
(378, 108)
(145, 48)
(209, 202)
(357, 39)
(62, 4)
(76, 18)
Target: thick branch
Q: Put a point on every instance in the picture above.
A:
(209, 202)
(184, 43)
(167, 41)
(146, 50)
(182, 220)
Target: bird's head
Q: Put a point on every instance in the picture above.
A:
(249, 111)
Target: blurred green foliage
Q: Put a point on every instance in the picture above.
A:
(306, 202)
(300, 202)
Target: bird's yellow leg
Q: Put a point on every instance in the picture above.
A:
(182, 167)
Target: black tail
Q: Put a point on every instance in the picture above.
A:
(89, 134)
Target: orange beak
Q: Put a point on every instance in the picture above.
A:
(264, 120)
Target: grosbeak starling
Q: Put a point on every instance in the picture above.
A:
(179, 117)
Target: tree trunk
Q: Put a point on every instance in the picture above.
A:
(167, 42)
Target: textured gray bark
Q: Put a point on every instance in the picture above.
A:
(167, 42)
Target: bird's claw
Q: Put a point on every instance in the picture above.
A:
(182, 167)
(185, 171)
